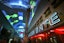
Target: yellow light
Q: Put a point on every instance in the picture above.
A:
(40, 38)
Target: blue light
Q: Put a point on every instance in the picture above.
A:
(30, 18)
(20, 23)
(20, 13)
(4, 12)
(21, 35)
(20, 27)
(20, 17)
(19, 4)
(16, 26)
(23, 24)
(21, 30)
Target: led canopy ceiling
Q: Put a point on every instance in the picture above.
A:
(21, 4)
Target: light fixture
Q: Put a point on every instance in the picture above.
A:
(20, 17)
(21, 27)
(40, 38)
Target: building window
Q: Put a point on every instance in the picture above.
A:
(61, 16)
(47, 12)
(37, 22)
(41, 19)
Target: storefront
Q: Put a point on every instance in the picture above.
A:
(51, 36)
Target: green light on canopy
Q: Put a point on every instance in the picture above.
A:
(12, 23)
(14, 15)
(16, 21)
(32, 13)
(8, 17)
(33, 3)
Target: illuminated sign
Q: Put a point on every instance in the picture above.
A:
(54, 18)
